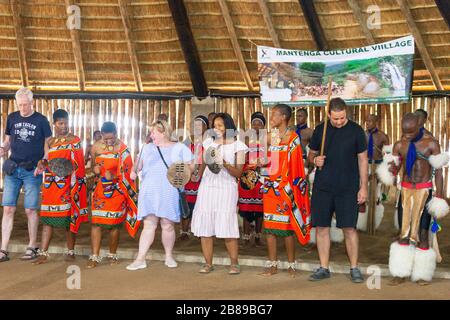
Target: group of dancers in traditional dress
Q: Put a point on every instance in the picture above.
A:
(294, 184)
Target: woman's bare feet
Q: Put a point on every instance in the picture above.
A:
(291, 269)
(40, 260)
(94, 260)
(396, 281)
(42, 257)
(270, 269)
(69, 256)
(113, 258)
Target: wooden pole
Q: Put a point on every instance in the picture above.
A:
(226, 15)
(188, 46)
(325, 119)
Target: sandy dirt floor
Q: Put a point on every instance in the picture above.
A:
(21, 280)
(373, 249)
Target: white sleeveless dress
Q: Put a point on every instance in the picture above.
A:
(215, 212)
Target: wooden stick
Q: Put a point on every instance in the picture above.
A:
(325, 120)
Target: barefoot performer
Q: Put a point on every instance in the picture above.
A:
(64, 198)
(371, 213)
(114, 199)
(420, 157)
(285, 199)
(423, 118)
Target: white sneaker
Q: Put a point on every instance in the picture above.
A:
(136, 265)
(171, 263)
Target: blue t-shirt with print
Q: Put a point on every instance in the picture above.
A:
(27, 136)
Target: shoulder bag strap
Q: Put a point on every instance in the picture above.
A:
(162, 158)
(165, 163)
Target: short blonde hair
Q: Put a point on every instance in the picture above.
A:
(24, 92)
(163, 127)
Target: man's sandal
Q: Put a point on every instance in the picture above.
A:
(207, 268)
(5, 256)
(270, 268)
(42, 257)
(234, 269)
(30, 256)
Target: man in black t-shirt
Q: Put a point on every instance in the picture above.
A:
(340, 185)
(26, 135)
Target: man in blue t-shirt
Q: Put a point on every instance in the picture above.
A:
(340, 185)
(26, 136)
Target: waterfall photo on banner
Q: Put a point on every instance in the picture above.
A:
(379, 73)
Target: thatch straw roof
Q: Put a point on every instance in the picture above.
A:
(134, 45)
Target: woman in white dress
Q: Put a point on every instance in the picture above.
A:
(215, 212)
(158, 199)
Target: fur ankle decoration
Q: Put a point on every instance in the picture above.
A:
(424, 265)
(401, 260)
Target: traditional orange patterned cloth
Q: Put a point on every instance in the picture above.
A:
(250, 193)
(286, 202)
(115, 201)
(64, 199)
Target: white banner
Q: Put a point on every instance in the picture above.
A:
(379, 73)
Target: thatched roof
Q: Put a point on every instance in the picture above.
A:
(135, 45)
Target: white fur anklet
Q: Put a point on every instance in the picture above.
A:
(401, 260)
(424, 265)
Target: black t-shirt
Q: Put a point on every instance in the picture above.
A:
(340, 172)
(27, 136)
